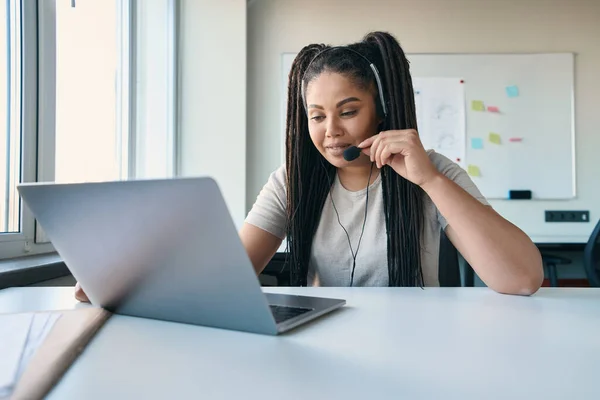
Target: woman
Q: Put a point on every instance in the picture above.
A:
(318, 200)
(376, 220)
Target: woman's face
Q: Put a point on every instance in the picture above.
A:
(340, 115)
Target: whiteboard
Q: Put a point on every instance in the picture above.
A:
(529, 142)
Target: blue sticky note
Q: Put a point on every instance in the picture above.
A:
(512, 91)
(477, 143)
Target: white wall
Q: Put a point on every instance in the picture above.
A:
(213, 96)
(454, 26)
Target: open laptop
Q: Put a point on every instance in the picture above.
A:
(164, 249)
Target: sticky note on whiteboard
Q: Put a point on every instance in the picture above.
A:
(512, 91)
(493, 109)
(477, 105)
(473, 170)
(477, 143)
(495, 138)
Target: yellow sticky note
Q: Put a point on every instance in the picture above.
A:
(478, 105)
(495, 138)
(473, 170)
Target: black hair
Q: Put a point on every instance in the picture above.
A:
(308, 182)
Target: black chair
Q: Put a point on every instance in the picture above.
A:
(448, 263)
(591, 257)
(278, 269)
(449, 267)
(591, 261)
(551, 261)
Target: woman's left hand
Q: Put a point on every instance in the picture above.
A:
(403, 151)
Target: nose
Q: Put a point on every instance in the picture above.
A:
(333, 128)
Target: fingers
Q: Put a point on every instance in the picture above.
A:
(367, 143)
(382, 147)
(80, 294)
(388, 151)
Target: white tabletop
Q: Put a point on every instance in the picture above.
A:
(463, 343)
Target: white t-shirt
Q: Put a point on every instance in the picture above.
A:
(331, 258)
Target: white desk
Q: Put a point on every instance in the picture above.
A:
(466, 343)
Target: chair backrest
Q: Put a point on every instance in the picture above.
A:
(591, 257)
(448, 264)
(279, 269)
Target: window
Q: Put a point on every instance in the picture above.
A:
(88, 94)
(87, 132)
(10, 112)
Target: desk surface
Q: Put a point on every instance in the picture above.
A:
(463, 343)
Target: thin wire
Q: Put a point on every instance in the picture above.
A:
(345, 231)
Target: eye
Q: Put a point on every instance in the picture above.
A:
(318, 118)
(349, 113)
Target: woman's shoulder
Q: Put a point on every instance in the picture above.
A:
(445, 165)
(278, 177)
(456, 173)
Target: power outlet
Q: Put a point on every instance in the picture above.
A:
(567, 216)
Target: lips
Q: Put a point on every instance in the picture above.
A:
(337, 149)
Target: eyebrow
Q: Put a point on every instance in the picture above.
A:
(338, 105)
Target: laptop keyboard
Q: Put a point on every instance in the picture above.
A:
(283, 313)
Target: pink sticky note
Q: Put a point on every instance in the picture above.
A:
(515, 139)
(493, 109)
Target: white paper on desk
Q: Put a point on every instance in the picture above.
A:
(20, 337)
(40, 328)
(14, 329)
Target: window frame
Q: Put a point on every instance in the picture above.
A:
(38, 97)
(46, 159)
(22, 243)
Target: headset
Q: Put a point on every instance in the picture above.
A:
(373, 68)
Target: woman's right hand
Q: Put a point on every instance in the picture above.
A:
(80, 294)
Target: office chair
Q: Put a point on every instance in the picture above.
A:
(448, 264)
(550, 262)
(277, 269)
(449, 267)
(591, 257)
(591, 261)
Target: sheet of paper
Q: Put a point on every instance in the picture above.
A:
(477, 105)
(18, 343)
(14, 329)
(473, 170)
(40, 328)
(440, 108)
(495, 138)
(493, 109)
(512, 91)
(477, 143)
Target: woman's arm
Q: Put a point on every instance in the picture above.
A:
(502, 255)
(260, 245)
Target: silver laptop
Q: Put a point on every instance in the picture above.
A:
(164, 249)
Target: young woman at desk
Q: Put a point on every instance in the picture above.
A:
(375, 220)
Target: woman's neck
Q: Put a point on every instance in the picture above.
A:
(354, 178)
